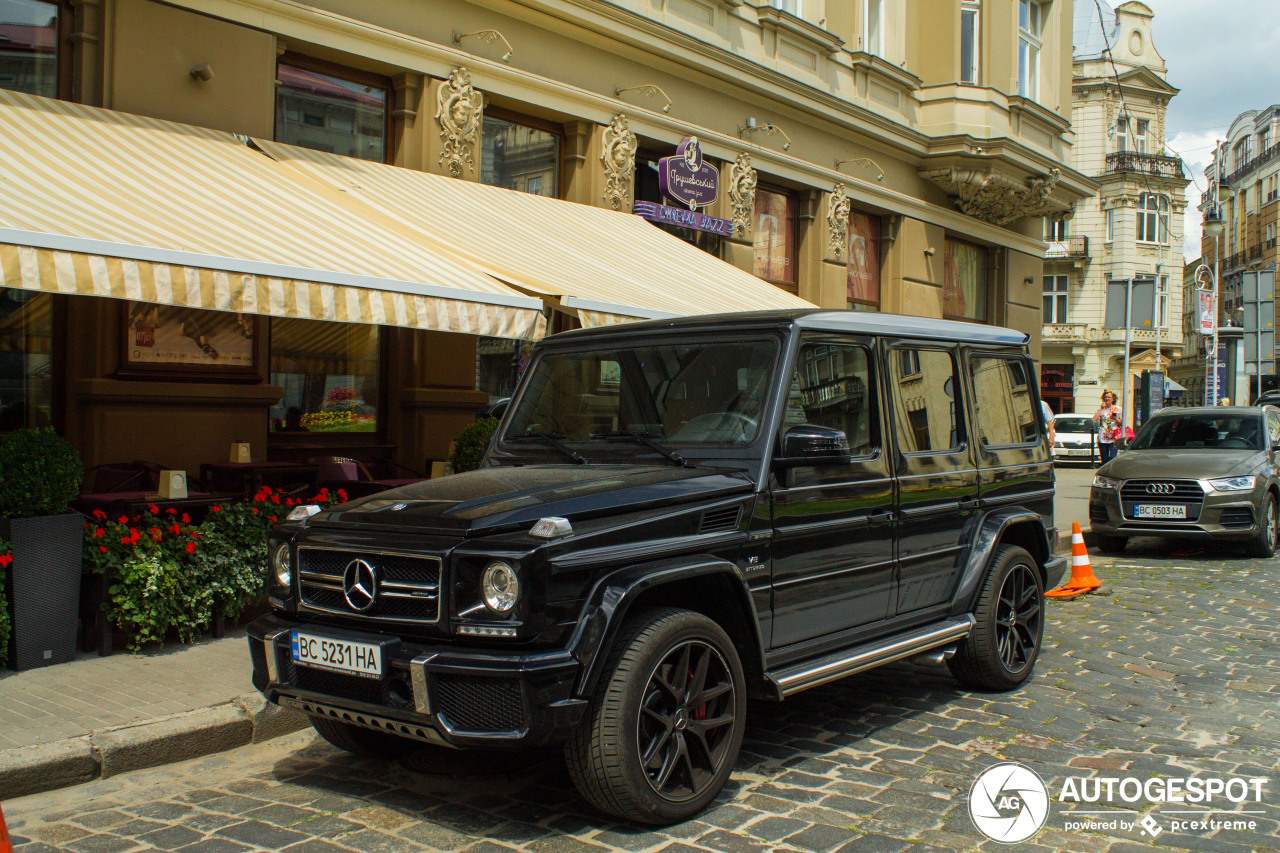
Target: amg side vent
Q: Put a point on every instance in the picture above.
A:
(720, 520)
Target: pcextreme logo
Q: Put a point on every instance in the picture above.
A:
(1008, 803)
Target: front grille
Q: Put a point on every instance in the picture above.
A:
(471, 703)
(259, 656)
(1098, 514)
(1236, 516)
(1186, 492)
(408, 585)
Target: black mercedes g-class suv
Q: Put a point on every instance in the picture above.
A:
(674, 516)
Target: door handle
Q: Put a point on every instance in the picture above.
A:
(879, 518)
(970, 504)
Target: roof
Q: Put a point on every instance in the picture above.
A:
(854, 322)
(1086, 36)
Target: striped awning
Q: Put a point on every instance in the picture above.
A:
(607, 266)
(111, 204)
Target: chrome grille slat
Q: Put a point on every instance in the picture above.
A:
(409, 584)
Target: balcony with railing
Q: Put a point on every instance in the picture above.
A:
(1072, 248)
(1144, 164)
(1266, 156)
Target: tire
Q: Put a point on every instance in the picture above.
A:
(998, 654)
(646, 702)
(1109, 544)
(1264, 543)
(360, 741)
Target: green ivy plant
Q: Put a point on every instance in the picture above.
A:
(41, 473)
(469, 449)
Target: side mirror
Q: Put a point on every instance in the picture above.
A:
(810, 444)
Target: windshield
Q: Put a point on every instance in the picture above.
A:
(681, 393)
(1221, 432)
(1073, 424)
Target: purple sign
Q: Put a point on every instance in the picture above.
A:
(683, 218)
(684, 178)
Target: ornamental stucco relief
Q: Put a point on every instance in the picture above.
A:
(999, 199)
(837, 221)
(458, 112)
(742, 194)
(619, 159)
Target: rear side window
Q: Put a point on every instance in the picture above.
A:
(925, 394)
(1006, 413)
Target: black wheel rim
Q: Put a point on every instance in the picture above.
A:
(686, 721)
(1018, 615)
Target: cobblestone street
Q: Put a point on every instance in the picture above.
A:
(1174, 673)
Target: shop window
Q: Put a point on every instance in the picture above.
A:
(29, 47)
(1055, 299)
(775, 236)
(26, 359)
(520, 155)
(330, 375)
(964, 285)
(970, 42)
(330, 108)
(1029, 49)
(863, 283)
(647, 189)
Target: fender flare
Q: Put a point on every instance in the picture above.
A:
(613, 596)
(982, 546)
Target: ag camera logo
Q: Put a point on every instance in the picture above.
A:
(1008, 803)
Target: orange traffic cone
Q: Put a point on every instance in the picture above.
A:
(1082, 579)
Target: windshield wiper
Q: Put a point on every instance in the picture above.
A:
(646, 438)
(553, 439)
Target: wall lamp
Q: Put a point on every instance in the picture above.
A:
(863, 161)
(768, 128)
(202, 72)
(646, 89)
(488, 37)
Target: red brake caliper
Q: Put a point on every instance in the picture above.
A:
(700, 712)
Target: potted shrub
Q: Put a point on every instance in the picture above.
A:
(41, 473)
(469, 449)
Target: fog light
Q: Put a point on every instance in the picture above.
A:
(302, 512)
(280, 564)
(500, 587)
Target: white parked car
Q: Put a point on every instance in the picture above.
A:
(1075, 439)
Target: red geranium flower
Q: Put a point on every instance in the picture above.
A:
(195, 534)
(191, 547)
(99, 533)
(126, 540)
(215, 509)
(6, 559)
(271, 518)
(175, 529)
(124, 519)
(170, 511)
(254, 508)
(97, 513)
(156, 534)
(102, 548)
(153, 509)
(186, 519)
(342, 495)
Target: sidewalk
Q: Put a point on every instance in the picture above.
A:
(67, 724)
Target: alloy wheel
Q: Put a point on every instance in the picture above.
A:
(685, 727)
(1271, 523)
(1018, 615)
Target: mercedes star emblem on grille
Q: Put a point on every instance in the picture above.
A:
(1161, 488)
(360, 585)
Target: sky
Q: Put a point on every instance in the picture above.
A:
(1222, 55)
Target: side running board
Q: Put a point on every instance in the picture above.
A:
(818, 671)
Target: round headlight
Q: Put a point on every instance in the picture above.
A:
(500, 587)
(280, 563)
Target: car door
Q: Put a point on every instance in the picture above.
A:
(937, 474)
(1013, 457)
(833, 524)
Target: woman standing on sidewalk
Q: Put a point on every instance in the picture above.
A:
(1108, 418)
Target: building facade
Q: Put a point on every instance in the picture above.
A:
(1131, 228)
(895, 157)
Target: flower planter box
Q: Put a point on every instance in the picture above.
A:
(44, 588)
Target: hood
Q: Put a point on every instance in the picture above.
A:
(1182, 464)
(520, 495)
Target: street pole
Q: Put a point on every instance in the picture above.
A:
(1128, 327)
(1215, 319)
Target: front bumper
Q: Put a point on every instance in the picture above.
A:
(1219, 516)
(462, 697)
(1076, 453)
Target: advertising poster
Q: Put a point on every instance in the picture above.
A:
(170, 336)
(864, 257)
(774, 236)
(1206, 312)
(964, 281)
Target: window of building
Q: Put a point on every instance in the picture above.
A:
(1163, 301)
(964, 281)
(1005, 413)
(1029, 49)
(1240, 153)
(1055, 299)
(26, 359)
(648, 189)
(520, 154)
(1111, 225)
(330, 108)
(330, 376)
(1264, 141)
(1140, 136)
(1122, 134)
(799, 8)
(1055, 230)
(1153, 218)
(775, 236)
(873, 26)
(970, 42)
(834, 386)
(864, 259)
(29, 47)
(928, 398)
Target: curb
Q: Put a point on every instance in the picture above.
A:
(246, 719)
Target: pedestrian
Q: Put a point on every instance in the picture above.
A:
(1108, 418)
(1225, 401)
(1046, 414)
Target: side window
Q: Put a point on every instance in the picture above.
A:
(925, 389)
(833, 386)
(1006, 413)
(1273, 428)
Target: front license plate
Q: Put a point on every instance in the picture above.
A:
(1159, 511)
(337, 655)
